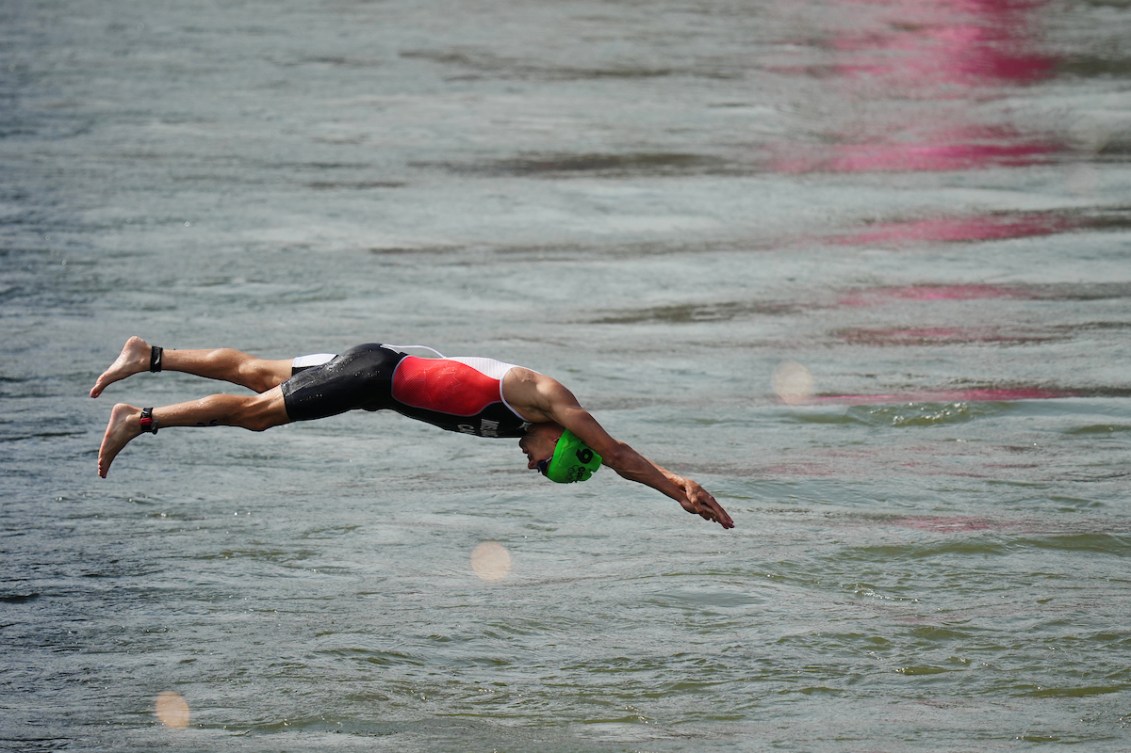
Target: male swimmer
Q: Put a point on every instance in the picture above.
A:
(478, 396)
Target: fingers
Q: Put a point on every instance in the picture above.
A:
(714, 511)
(719, 515)
(711, 510)
(701, 503)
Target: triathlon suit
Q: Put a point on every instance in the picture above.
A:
(457, 394)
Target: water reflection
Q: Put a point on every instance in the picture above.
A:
(960, 292)
(971, 395)
(910, 83)
(964, 43)
(888, 294)
(960, 229)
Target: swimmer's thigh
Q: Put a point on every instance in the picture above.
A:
(361, 377)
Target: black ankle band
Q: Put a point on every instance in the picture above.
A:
(155, 354)
(148, 422)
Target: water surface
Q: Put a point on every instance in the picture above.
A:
(859, 267)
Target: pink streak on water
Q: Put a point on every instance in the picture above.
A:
(968, 292)
(977, 394)
(957, 230)
(928, 51)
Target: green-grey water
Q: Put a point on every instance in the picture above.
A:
(859, 267)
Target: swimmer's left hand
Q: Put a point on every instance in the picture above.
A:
(698, 501)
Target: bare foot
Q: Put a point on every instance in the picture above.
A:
(133, 359)
(123, 426)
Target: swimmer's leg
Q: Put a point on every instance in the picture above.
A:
(230, 365)
(253, 412)
(225, 364)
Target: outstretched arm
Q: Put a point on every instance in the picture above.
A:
(630, 464)
(549, 400)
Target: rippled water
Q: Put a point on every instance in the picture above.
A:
(860, 267)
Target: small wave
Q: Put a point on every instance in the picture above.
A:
(920, 414)
(634, 164)
(1081, 692)
(1099, 429)
(923, 669)
(1096, 543)
(18, 598)
(722, 311)
(964, 547)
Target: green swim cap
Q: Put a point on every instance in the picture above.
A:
(573, 460)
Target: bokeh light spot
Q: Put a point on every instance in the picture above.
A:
(792, 382)
(491, 561)
(172, 710)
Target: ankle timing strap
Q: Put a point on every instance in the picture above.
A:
(148, 422)
(155, 354)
